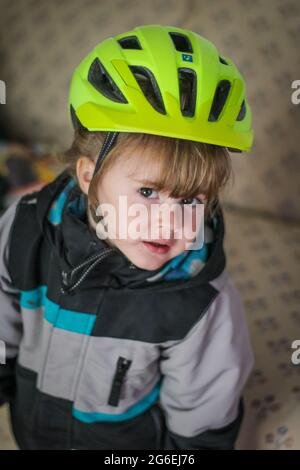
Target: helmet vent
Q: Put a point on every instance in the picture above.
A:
(242, 112)
(187, 90)
(102, 81)
(149, 87)
(219, 101)
(130, 42)
(223, 61)
(181, 42)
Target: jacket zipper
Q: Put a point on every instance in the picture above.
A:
(123, 365)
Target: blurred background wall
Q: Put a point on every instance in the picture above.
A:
(41, 43)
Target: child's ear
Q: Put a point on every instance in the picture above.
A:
(84, 170)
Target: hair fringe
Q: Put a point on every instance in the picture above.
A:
(185, 168)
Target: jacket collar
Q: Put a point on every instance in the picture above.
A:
(62, 218)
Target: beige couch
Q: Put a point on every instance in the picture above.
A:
(41, 44)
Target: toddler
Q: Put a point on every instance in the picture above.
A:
(137, 341)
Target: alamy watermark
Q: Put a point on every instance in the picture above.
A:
(295, 97)
(296, 354)
(2, 92)
(2, 352)
(167, 221)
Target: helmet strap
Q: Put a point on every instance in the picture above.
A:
(109, 141)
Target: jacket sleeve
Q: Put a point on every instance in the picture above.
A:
(203, 376)
(10, 319)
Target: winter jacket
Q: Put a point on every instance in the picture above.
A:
(98, 357)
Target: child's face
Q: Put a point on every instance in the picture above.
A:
(131, 179)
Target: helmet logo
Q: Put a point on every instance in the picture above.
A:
(187, 57)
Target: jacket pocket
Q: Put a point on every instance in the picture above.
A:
(122, 367)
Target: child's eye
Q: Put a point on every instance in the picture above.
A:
(189, 201)
(147, 192)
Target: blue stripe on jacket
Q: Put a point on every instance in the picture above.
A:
(69, 320)
(138, 408)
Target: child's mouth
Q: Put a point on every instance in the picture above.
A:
(157, 247)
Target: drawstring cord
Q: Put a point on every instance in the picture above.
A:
(94, 260)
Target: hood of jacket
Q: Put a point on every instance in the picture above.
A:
(62, 217)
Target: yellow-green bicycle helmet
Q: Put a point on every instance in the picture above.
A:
(108, 89)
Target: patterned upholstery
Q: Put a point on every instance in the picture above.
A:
(7, 442)
(41, 43)
(263, 258)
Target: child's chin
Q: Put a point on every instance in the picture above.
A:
(143, 259)
(148, 264)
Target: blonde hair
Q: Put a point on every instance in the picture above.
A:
(185, 168)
